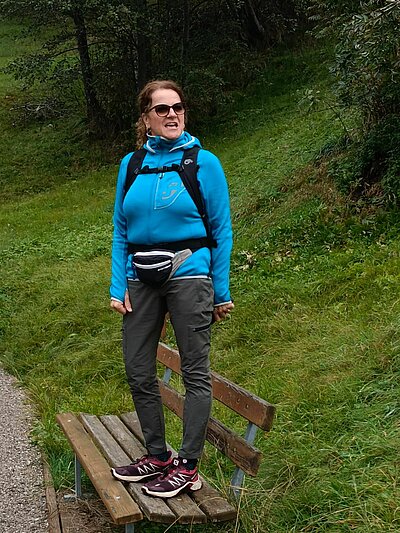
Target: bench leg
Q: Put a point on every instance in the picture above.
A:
(167, 375)
(129, 528)
(238, 475)
(78, 478)
(237, 481)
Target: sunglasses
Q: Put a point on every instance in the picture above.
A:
(162, 110)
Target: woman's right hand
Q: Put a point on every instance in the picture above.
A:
(120, 307)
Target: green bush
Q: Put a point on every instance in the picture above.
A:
(367, 79)
(371, 166)
(366, 66)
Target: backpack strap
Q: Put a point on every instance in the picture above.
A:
(188, 174)
(134, 167)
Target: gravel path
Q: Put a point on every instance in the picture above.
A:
(22, 496)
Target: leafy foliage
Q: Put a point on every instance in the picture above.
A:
(370, 170)
(368, 60)
(100, 53)
(367, 78)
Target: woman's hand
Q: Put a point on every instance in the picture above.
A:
(120, 307)
(222, 311)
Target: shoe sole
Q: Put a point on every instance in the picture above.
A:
(134, 479)
(192, 487)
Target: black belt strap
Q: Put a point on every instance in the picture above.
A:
(192, 244)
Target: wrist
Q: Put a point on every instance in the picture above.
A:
(223, 303)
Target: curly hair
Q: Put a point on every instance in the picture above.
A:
(144, 101)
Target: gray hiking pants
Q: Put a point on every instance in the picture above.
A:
(190, 305)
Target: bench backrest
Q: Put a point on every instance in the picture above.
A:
(255, 410)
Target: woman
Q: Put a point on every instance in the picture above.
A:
(155, 214)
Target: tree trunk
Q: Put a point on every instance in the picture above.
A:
(252, 26)
(252, 30)
(94, 112)
(185, 42)
(143, 46)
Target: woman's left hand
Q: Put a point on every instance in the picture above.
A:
(222, 311)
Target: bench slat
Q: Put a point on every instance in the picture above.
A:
(154, 508)
(186, 509)
(213, 504)
(121, 433)
(131, 421)
(248, 405)
(207, 498)
(244, 455)
(119, 504)
(251, 407)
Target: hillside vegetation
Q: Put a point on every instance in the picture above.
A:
(315, 280)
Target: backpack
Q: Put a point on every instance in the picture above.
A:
(187, 170)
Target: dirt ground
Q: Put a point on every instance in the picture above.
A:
(86, 515)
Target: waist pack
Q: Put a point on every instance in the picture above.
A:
(156, 267)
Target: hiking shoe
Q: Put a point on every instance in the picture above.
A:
(176, 479)
(146, 467)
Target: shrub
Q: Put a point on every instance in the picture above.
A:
(371, 167)
(367, 61)
(367, 78)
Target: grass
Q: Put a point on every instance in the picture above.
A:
(316, 284)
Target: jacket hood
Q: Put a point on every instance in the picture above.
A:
(157, 143)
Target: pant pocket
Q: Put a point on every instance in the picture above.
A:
(197, 329)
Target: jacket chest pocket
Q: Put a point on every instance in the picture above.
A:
(168, 189)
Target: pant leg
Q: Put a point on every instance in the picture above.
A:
(141, 333)
(190, 305)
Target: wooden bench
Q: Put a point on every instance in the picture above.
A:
(104, 441)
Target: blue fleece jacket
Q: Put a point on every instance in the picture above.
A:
(158, 208)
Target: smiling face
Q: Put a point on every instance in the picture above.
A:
(171, 126)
